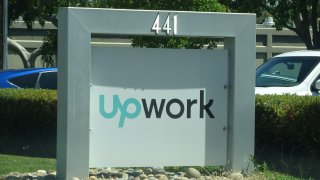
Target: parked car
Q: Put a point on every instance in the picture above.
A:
(295, 72)
(41, 78)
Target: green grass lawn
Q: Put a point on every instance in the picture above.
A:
(22, 164)
(264, 173)
(9, 163)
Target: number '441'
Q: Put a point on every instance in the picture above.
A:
(156, 27)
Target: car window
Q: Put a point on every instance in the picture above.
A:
(25, 81)
(48, 80)
(285, 71)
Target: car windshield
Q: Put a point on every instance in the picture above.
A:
(285, 71)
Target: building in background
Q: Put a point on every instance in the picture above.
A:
(269, 42)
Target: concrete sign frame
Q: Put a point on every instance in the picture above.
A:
(74, 53)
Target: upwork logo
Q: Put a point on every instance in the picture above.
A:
(153, 107)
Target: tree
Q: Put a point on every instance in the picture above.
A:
(41, 11)
(46, 10)
(30, 11)
(300, 16)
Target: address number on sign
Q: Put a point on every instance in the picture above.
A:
(169, 25)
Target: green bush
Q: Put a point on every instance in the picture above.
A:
(28, 124)
(288, 122)
(27, 108)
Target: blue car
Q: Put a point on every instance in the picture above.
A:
(40, 78)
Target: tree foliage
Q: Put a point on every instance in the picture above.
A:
(179, 5)
(32, 10)
(41, 11)
(300, 16)
(46, 10)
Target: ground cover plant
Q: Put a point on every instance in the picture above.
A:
(10, 163)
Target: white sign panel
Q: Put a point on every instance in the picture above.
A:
(158, 107)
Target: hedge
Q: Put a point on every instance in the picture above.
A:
(27, 108)
(287, 121)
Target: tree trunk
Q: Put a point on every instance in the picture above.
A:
(315, 24)
(33, 57)
(305, 25)
(1, 34)
(28, 59)
(305, 36)
(303, 20)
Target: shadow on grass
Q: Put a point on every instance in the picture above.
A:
(32, 142)
(41, 142)
(301, 165)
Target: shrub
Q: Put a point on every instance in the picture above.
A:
(28, 122)
(288, 122)
(26, 108)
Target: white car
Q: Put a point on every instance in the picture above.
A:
(295, 72)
